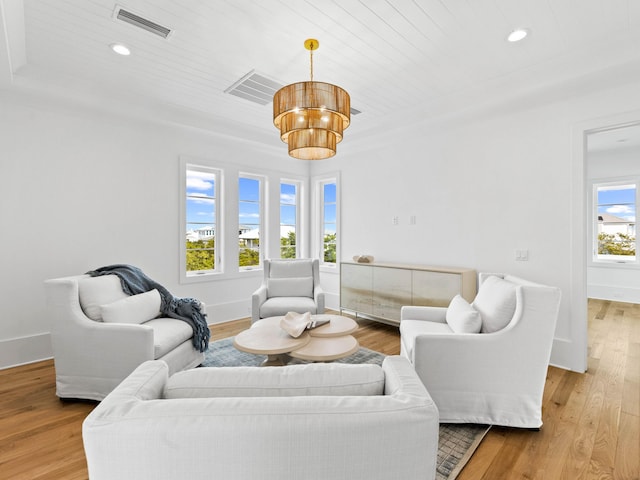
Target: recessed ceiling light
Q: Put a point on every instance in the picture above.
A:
(518, 35)
(120, 49)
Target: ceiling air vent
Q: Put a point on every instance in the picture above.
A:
(140, 22)
(255, 88)
(258, 88)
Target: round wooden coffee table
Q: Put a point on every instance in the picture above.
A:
(322, 344)
(269, 341)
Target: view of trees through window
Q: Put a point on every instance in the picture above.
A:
(329, 221)
(206, 228)
(616, 222)
(249, 221)
(288, 220)
(201, 220)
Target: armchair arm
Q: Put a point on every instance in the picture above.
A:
(465, 362)
(257, 299)
(318, 297)
(429, 314)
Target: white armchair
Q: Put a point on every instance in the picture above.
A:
(288, 286)
(485, 362)
(92, 354)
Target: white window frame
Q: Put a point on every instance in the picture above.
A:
(201, 275)
(262, 179)
(298, 205)
(615, 261)
(318, 184)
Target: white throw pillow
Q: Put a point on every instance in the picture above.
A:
(97, 291)
(134, 309)
(496, 302)
(462, 317)
(293, 380)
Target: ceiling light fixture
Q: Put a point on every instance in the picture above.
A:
(120, 49)
(517, 35)
(311, 115)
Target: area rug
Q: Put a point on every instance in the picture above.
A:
(456, 443)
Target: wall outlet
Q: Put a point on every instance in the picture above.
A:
(395, 220)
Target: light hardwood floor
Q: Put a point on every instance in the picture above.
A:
(591, 421)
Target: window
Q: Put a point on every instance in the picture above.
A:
(249, 221)
(289, 192)
(201, 187)
(328, 220)
(614, 224)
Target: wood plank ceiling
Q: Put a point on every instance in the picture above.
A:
(401, 60)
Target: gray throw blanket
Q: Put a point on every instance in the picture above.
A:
(134, 282)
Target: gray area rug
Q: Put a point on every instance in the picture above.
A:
(456, 444)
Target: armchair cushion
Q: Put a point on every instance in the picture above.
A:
(295, 380)
(94, 292)
(290, 268)
(168, 333)
(134, 309)
(276, 306)
(290, 287)
(496, 302)
(462, 317)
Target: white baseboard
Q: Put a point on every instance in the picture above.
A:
(332, 301)
(563, 355)
(24, 350)
(614, 293)
(225, 312)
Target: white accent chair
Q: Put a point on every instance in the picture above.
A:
(288, 286)
(100, 335)
(317, 421)
(486, 362)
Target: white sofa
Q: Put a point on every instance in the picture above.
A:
(289, 285)
(316, 421)
(485, 362)
(100, 335)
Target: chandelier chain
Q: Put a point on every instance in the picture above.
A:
(311, 64)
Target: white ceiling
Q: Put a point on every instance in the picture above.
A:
(402, 61)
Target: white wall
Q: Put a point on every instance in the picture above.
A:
(79, 190)
(613, 282)
(480, 189)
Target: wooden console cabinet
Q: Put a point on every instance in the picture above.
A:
(379, 290)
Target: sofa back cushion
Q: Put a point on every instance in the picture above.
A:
(97, 291)
(496, 302)
(292, 380)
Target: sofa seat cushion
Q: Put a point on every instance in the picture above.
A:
(411, 329)
(496, 302)
(94, 292)
(292, 380)
(168, 333)
(276, 306)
